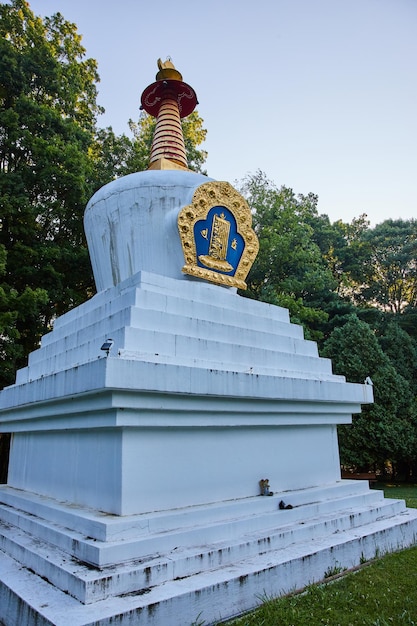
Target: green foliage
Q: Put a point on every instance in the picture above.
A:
(334, 570)
(382, 266)
(390, 267)
(408, 321)
(48, 113)
(386, 430)
(348, 252)
(52, 159)
(382, 592)
(110, 156)
(401, 349)
(289, 270)
(20, 315)
(194, 135)
(352, 287)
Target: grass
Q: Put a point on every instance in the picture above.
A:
(381, 593)
(400, 492)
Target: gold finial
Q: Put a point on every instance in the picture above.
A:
(166, 64)
(168, 99)
(167, 71)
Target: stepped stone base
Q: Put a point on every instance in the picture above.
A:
(70, 566)
(203, 394)
(133, 484)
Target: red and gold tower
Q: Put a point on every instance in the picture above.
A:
(168, 99)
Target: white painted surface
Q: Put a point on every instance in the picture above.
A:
(82, 467)
(203, 394)
(190, 328)
(131, 225)
(214, 561)
(139, 470)
(158, 448)
(194, 411)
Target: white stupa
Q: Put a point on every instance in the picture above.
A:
(153, 416)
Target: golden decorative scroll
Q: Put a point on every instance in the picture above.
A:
(207, 196)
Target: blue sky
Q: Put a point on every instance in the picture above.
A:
(321, 95)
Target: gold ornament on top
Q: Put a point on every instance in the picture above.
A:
(168, 99)
(220, 235)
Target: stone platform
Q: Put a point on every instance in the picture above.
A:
(74, 566)
(203, 394)
(133, 489)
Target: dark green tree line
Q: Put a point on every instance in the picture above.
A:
(386, 431)
(353, 289)
(47, 116)
(290, 270)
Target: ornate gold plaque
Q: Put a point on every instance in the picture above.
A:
(217, 238)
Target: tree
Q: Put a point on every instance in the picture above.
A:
(385, 431)
(48, 114)
(408, 321)
(194, 135)
(388, 273)
(353, 289)
(401, 349)
(347, 252)
(110, 155)
(52, 159)
(290, 270)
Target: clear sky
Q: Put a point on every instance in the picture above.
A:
(321, 95)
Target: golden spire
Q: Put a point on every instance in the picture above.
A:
(168, 99)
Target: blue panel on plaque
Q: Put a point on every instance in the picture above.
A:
(219, 246)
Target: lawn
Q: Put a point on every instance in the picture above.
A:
(400, 492)
(380, 593)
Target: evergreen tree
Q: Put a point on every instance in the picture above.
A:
(401, 349)
(385, 431)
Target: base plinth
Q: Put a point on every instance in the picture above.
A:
(134, 477)
(207, 563)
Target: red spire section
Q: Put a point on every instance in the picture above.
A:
(168, 99)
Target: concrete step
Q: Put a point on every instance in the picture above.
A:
(155, 291)
(84, 567)
(78, 336)
(210, 595)
(216, 346)
(107, 528)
